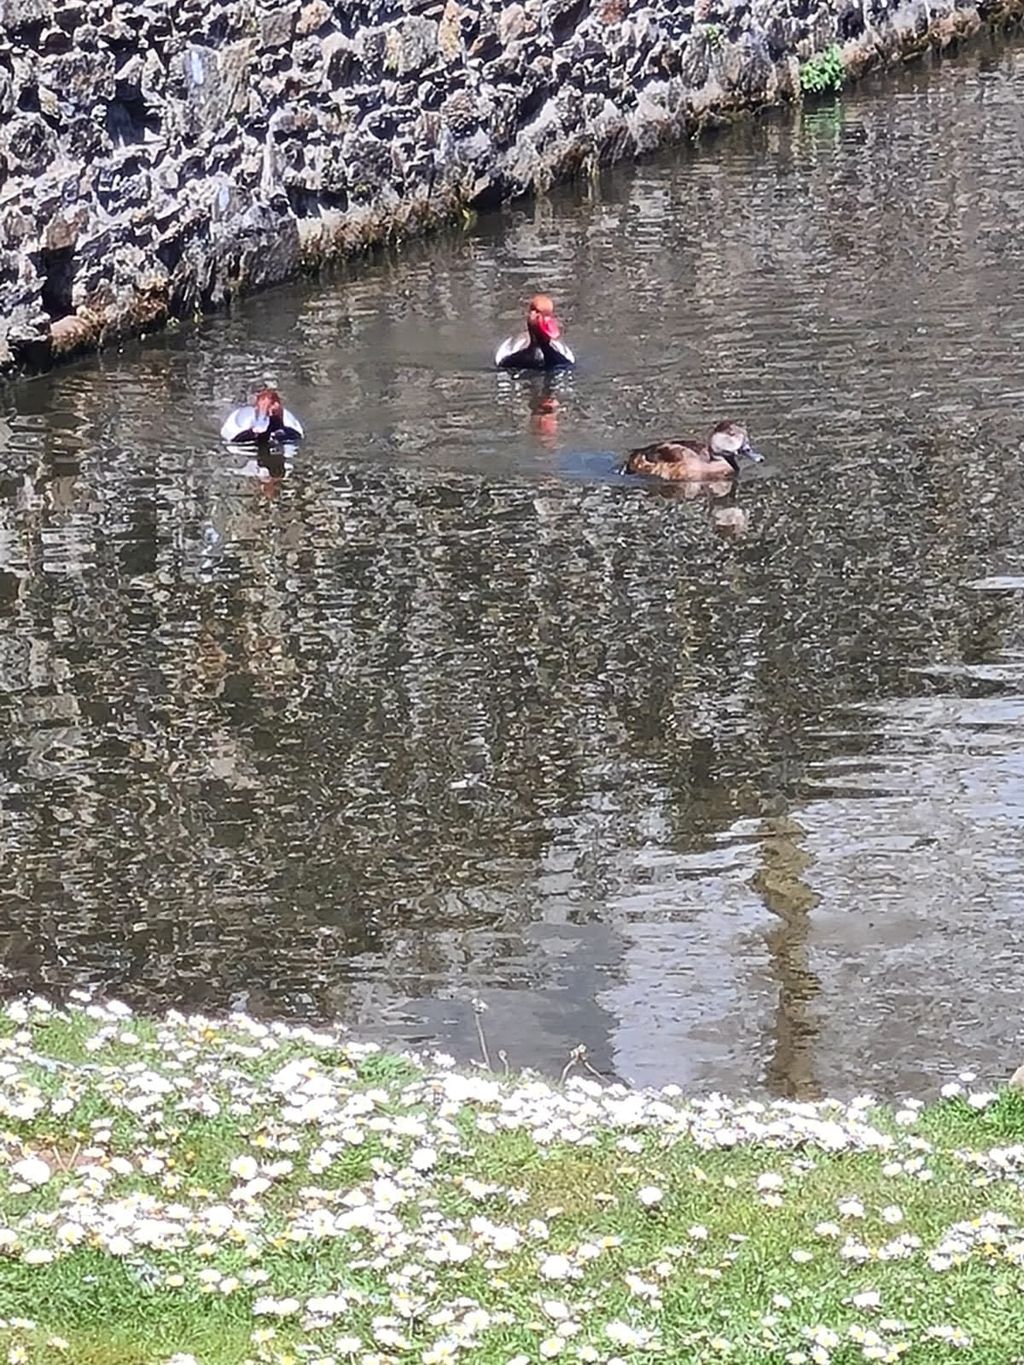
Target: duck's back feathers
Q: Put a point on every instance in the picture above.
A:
(521, 352)
(565, 351)
(291, 428)
(238, 426)
(511, 347)
(673, 451)
(665, 456)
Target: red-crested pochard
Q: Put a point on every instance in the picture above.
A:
(265, 419)
(540, 347)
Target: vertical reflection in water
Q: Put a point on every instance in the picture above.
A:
(781, 884)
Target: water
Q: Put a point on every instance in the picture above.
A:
(456, 712)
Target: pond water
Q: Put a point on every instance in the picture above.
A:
(454, 712)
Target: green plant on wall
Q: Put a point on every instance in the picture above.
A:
(825, 71)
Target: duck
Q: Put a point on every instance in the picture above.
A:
(265, 419)
(540, 347)
(718, 458)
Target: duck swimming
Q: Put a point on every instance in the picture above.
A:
(265, 419)
(539, 347)
(718, 458)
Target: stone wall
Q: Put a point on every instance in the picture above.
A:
(159, 156)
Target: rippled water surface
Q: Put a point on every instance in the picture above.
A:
(730, 792)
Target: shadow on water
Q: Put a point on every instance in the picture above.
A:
(728, 789)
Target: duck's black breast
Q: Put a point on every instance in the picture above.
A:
(527, 358)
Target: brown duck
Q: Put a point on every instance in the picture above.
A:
(718, 458)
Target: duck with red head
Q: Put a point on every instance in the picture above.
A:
(263, 420)
(540, 347)
(692, 462)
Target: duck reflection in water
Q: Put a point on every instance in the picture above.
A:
(545, 394)
(267, 466)
(272, 469)
(728, 519)
(544, 405)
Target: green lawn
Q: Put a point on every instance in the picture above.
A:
(185, 1189)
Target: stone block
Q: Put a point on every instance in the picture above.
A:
(416, 47)
(312, 17)
(16, 15)
(29, 143)
(276, 26)
(449, 32)
(78, 80)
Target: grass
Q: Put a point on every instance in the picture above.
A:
(181, 1189)
(824, 73)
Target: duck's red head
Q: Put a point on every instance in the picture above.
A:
(540, 318)
(269, 411)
